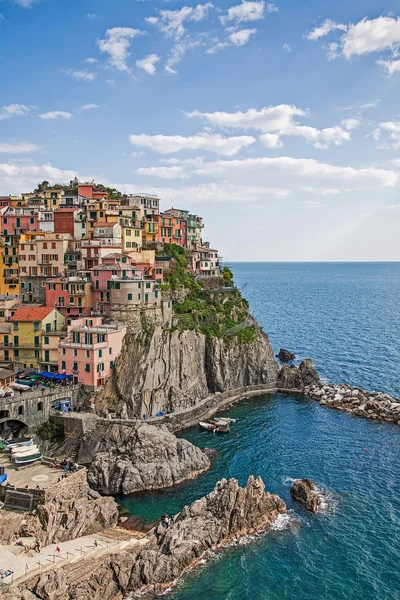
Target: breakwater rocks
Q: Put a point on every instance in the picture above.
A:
(303, 490)
(227, 513)
(126, 459)
(371, 405)
(298, 378)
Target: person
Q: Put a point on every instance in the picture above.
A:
(144, 417)
(95, 543)
(58, 549)
(36, 547)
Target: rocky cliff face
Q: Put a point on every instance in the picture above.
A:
(228, 512)
(176, 369)
(298, 378)
(126, 459)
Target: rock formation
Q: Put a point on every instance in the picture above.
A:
(285, 355)
(177, 369)
(297, 378)
(125, 459)
(371, 405)
(303, 491)
(226, 513)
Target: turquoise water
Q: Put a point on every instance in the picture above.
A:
(350, 551)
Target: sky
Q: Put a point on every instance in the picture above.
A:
(279, 123)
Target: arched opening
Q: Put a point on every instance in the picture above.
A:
(11, 428)
(20, 410)
(40, 406)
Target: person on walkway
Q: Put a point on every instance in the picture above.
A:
(58, 549)
(95, 543)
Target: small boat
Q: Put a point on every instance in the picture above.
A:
(24, 451)
(226, 419)
(20, 387)
(208, 426)
(18, 442)
(24, 460)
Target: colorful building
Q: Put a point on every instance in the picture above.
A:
(72, 296)
(28, 326)
(89, 351)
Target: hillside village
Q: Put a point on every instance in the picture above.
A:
(76, 262)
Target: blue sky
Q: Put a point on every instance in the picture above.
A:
(278, 122)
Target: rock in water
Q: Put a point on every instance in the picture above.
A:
(302, 491)
(285, 355)
(226, 513)
(297, 378)
(126, 459)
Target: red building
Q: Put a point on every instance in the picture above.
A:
(19, 220)
(89, 190)
(64, 220)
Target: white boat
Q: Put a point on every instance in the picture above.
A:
(226, 419)
(219, 427)
(208, 426)
(20, 387)
(24, 451)
(18, 443)
(23, 460)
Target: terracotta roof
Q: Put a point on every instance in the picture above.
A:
(31, 313)
(67, 209)
(100, 224)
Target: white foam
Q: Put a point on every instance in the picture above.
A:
(283, 521)
(288, 480)
(328, 501)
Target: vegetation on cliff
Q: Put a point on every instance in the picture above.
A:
(214, 306)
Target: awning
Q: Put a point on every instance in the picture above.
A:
(47, 375)
(61, 377)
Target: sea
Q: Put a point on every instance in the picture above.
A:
(346, 317)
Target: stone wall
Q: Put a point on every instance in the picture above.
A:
(33, 408)
(133, 316)
(71, 488)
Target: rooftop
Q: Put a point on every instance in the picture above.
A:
(31, 313)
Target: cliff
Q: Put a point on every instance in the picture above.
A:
(127, 459)
(177, 369)
(226, 513)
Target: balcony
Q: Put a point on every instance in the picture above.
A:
(83, 345)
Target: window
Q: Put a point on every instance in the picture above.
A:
(5, 220)
(15, 326)
(32, 221)
(16, 353)
(130, 296)
(111, 364)
(138, 296)
(46, 356)
(87, 353)
(75, 366)
(75, 352)
(36, 326)
(148, 285)
(117, 285)
(37, 353)
(63, 365)
(100, 353)
(63, 351)
(100, 337)
(110, 351)
(20, 410)
(87, 368)
(100, 367)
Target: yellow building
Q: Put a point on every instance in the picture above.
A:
(9, 277)
(131, 238)
(150, 228)
(29, 327)
(51, 199)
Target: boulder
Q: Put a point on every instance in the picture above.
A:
(302, 491)
(127, 459)
(298, 378)
(285, 355)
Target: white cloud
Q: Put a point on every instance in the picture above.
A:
(321, 191)
(89, 106)
(91, 60)
(13, 110)
(18, 148)
(164, 172)
(371, 35)
(271, 140)
(116, 44)
(323, 30)
(393, 129)
(246, 11)
(301, 167)
(277, 119)
(148, 63)
(56, 114)
(351, 123)
(287, 47)
(221, 192)
(236, 38)
(92, 16)
(82, 75)
(20, 176)
(390, 66)
(169, 144)
(26, 3)
(172, 22)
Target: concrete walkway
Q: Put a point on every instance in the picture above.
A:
(26, 563)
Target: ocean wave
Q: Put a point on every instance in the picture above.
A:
(283, 521)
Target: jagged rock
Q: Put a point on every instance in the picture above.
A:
(126, 459)
(302, 491)
(227, 512)
(285, 355)
(60, 521)
(298, 378)
(176, 369)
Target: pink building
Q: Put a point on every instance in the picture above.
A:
(116, 281)
(89, 351)
(72, 296)
(18, 220)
